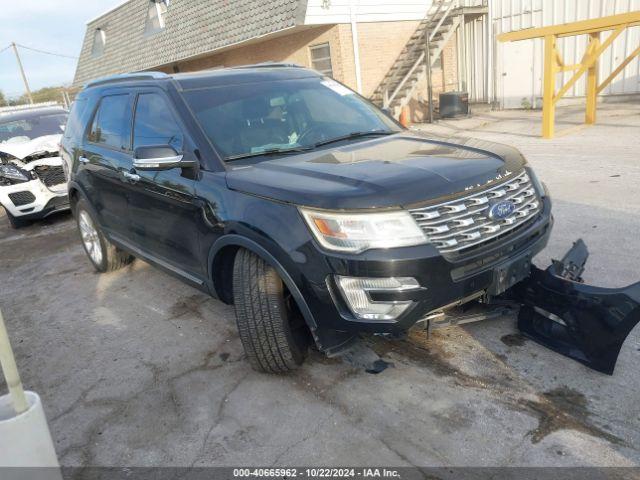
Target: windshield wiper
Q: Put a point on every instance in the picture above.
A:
(268, 151)
(370, 133)
(284, 151)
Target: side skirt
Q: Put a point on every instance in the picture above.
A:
(192, 280)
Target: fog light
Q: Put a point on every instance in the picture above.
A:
(356, 293)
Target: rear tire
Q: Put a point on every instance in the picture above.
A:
(16, 222)
(104, 256)
(273, 333)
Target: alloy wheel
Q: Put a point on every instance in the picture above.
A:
(90, 237)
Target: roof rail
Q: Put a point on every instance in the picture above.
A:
(123, 77)
(271, 65)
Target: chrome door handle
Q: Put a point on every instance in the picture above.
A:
(131, 176)
(83, 160)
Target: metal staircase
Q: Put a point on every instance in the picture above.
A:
(399, 84)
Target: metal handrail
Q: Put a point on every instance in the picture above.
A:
(393, 77)
(418, 62)
(446, 14)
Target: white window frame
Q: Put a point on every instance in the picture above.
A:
(103, 39)
(311, 59)
(148, 30)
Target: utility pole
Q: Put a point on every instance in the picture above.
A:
(24, 77)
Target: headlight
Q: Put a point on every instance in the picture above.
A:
(13, 173)
(357, 232)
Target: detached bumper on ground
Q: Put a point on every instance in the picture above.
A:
(583, 322)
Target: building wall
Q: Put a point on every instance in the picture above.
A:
(444, 79)
(339, 11)
(477, 60)
(293, 48)
(380, 43)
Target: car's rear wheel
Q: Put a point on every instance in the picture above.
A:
(16, 222)
(104, 256)
(272, 330)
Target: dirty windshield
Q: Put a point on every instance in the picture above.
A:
(28, 128)
(280, 116)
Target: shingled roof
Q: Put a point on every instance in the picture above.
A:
(192, 27)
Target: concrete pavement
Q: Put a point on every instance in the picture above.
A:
(135, 368)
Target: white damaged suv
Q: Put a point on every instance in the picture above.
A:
(32, 181)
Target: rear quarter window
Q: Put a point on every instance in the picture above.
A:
(76, 120)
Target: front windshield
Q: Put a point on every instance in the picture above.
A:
(249, 119)
(23, 130)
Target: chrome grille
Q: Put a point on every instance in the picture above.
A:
(49, 175)
(463, 223)
(22, 198)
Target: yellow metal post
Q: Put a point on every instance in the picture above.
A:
(592, 81)
(553, 63)
(550, 70)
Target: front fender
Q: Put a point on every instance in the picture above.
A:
(75, 187)
(251, 245)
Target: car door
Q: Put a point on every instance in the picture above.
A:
(162, 207)
(106, 160)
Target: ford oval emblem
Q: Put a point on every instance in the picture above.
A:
(501, 210)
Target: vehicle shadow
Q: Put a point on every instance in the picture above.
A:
(116, 357)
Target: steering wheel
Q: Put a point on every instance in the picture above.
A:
(309, 130)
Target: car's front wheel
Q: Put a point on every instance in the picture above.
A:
(272, 330)
(104, 256)
(16, 222)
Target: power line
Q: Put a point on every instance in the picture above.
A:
(45, 52)
(5, 48)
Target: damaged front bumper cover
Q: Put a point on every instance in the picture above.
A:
(583, 322)
(554, 308)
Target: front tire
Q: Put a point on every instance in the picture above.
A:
(273, 333)
(104, 256)
(16, 222)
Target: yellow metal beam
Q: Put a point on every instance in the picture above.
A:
(591, 56)
(592, 80)
(550, 70)
(621, 67)
(575, 28)
(553, 63)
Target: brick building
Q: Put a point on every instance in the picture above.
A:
(369, 45)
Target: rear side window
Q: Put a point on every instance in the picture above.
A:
(154, 123)
(110, 121)
(74, 125)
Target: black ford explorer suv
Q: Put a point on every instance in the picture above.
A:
(283, 192)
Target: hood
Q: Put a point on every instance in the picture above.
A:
(405, 169)
(21, 150)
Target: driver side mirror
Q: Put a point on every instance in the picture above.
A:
(159, 157)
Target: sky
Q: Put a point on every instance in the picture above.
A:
(56, 26)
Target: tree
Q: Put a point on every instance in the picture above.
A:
(46, 94)
(3, 101)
